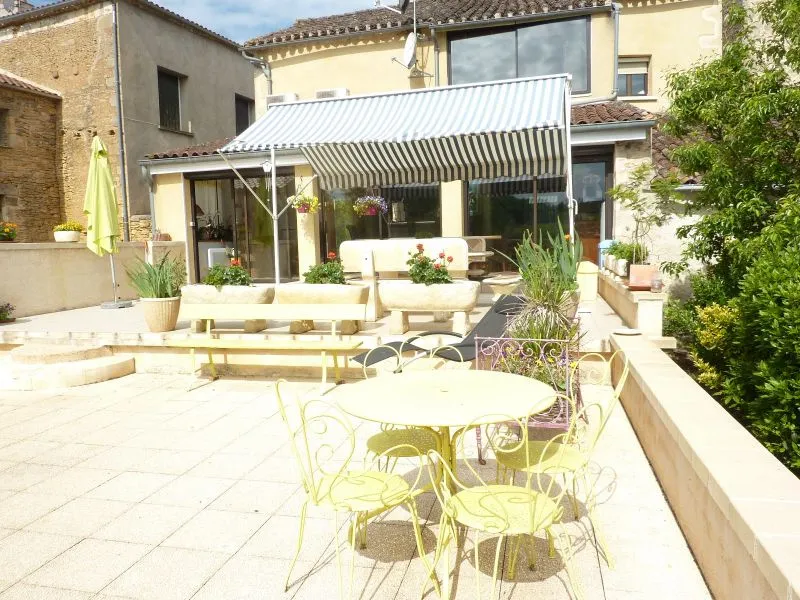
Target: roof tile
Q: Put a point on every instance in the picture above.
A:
(429, 12)
(9, 80)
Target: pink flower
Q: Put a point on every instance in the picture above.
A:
(437, 266)
(420, 247)
(441, 255)
(449, 259)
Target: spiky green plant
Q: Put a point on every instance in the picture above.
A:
(160, 280)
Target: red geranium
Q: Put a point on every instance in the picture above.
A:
(331, 255)
(449, 259)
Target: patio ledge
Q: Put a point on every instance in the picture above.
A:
(737, 505)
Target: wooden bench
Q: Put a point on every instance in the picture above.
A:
(333, 347)
(277, 312)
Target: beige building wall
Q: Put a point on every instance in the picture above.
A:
(171, 205)
(29, 189)
(214, 73)
(71, 53)
(673, 35)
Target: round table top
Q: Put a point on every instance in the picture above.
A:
(444, 398)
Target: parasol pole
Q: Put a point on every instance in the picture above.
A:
(275, 217)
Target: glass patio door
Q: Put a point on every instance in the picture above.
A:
(591, 179)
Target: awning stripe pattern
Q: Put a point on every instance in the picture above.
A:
(481, 131)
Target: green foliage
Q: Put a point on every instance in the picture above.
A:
(160, 280)
(220, 275)
(635, 254)
(567, 254)
(681, 316)
(649, 204)
(69, 226)
(329, 272)
(6, 310)
(423, 269)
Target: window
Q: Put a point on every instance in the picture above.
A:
(539, 49)
(244, 113)
(169, 99)
(632, 76)
(4, 127)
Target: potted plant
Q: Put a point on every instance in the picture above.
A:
(305, 204)
(68, 232)
(323, 284)
(229, 284)
(369, 206)
(6, 310)
(649, 202)
(8, 231)
(159, 287)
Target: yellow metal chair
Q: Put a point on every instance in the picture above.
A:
(503, 511)
(323, 442)
(394, 442)
(571, 457)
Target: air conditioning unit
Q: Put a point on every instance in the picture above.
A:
(281, 98)
(333, 93)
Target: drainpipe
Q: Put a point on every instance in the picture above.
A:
(435, 57)
(615, 8)
(126, 229)
(265, 68)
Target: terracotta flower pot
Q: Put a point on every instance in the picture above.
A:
(161, 314)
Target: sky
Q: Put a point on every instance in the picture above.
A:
(241, 20)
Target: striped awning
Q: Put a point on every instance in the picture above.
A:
(477, 131)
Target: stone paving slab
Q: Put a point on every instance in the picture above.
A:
(167, 487)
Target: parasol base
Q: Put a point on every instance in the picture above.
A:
(117, 304)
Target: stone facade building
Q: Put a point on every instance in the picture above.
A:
(139, 76)
(29, 188)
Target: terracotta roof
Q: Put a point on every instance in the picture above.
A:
(663, 145)
(15, 82)
(429, 12)
(65, 6)
(608, 112)
(204, 149)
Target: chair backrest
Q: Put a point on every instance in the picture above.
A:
(595, 369)
(497, 510)
(321, 437)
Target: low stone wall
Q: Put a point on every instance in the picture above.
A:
(48, 277)
(738, 506)
(639, 310)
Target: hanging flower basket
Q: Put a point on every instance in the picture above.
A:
(305, 204)
(369, 206)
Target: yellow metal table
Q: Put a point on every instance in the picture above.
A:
(443, 400)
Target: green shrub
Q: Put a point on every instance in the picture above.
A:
(6, 310)
(160, 280)
(762, 382)
(329, 272)
(220, 275)
(69, 226)
(680, 322)
(635, 254)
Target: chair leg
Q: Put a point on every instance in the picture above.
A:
(412, 507)
(601, 540)
(551, 544)
(512, 567)
(303, 511)
(478, 438)
(497, 553)
(354, 533)
(572, 576)
(531, 553)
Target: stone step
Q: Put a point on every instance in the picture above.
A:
(48, 354)
(26, 377)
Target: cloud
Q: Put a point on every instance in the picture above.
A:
(241, 20)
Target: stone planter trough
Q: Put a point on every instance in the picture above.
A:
(402, 296)
(322, 293)
(229, 294)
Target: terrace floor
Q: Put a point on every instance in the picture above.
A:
(168, 487)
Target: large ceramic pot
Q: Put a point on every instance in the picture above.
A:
(67, 236)
(321, 293)
(402, 296)
(229, 294)
(161, 314)
(641, 277)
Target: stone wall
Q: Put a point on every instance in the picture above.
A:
(141, 228)
(72, 54)
(29, 188)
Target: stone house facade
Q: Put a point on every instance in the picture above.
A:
(29, 188)
(108, 61)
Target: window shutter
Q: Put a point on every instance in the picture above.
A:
(635, 66)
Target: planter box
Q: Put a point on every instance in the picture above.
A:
(641, 277)
(402, 297)
(67, 236)
(639, 310)
(229, 294)
(321, 293)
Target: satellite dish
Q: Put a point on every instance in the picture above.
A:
(403, 5)
(410, 51)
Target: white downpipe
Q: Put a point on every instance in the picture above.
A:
(571, 204)
(275, 230)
